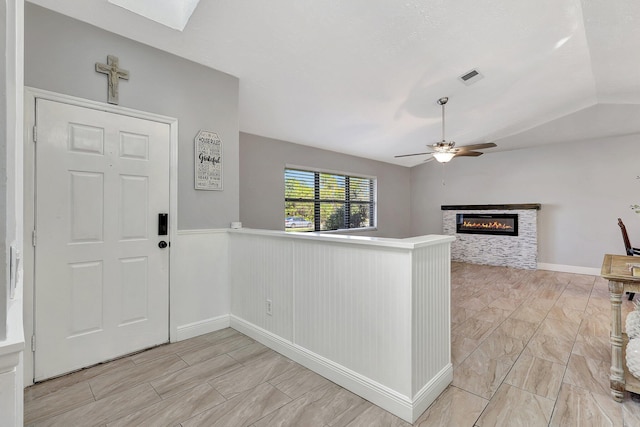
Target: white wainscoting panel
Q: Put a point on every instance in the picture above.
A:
(376, 393)
(352, 302)
(370, 314)
(261, 270)
(431, 309)
(200, 300)
(12, 366)
(10, 397)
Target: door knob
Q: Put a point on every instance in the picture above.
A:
(162, 244)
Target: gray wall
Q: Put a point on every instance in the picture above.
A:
(262, 164)
(60, 56)
(583, 188)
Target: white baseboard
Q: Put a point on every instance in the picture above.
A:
(569, 269)
(430, 392)
(202, 327)
(388, 399)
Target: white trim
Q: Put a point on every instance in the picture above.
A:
(329, 171)
(12, 341)
(202, 327)
(349, 230)
(569, 269)
(430, 392)
(409, 243)
(30, 95)
(11, 313)
(203, 231)
(32, 92)
(378, 394)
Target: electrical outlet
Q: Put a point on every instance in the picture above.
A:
(268, 306)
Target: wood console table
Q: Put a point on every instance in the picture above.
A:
(615, 268)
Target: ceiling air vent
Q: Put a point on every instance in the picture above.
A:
(470, 77)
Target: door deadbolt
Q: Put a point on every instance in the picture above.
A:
(163, 224)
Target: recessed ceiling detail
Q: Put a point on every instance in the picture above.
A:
(359, 77)
(171, 13)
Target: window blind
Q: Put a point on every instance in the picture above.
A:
(319, 201)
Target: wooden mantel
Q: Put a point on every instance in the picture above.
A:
(521, 206)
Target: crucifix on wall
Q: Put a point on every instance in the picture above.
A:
(114, 74)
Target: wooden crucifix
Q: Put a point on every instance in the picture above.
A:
(114, 74)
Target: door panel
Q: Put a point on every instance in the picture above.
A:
(134, 146)
(86, 198)
(134, 285)
(101, 282)
(85, 296)
(133, 207)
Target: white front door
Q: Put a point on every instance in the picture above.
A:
(101, 279)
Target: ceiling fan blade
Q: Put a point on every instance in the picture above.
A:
(477, 146)
(408, 155)
(449, 148)
(468, 154)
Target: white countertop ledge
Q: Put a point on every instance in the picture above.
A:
(408, 243)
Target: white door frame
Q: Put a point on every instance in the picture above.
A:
(30, 96)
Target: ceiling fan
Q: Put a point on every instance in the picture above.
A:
(444, 150)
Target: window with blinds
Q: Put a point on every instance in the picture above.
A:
(320, 201)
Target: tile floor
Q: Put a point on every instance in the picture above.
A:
(529, 348)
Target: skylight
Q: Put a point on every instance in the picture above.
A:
(171, 13)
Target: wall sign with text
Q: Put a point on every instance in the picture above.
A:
(208, 157)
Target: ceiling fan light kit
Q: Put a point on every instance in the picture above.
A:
(443, 156)
(444, 151)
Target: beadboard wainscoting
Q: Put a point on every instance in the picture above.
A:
(370, 314)
(200, 300)
(12, 366)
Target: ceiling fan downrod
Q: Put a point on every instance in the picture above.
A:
(442, 101)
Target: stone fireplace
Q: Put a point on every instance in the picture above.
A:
(501, 235)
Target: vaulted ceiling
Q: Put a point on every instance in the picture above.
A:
(363, 76)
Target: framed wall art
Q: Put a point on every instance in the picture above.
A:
(208, 161)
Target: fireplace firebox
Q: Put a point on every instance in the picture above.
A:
(496, 224)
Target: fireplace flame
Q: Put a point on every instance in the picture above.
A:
(495, 225)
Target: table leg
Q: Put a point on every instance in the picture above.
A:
(617, 370)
